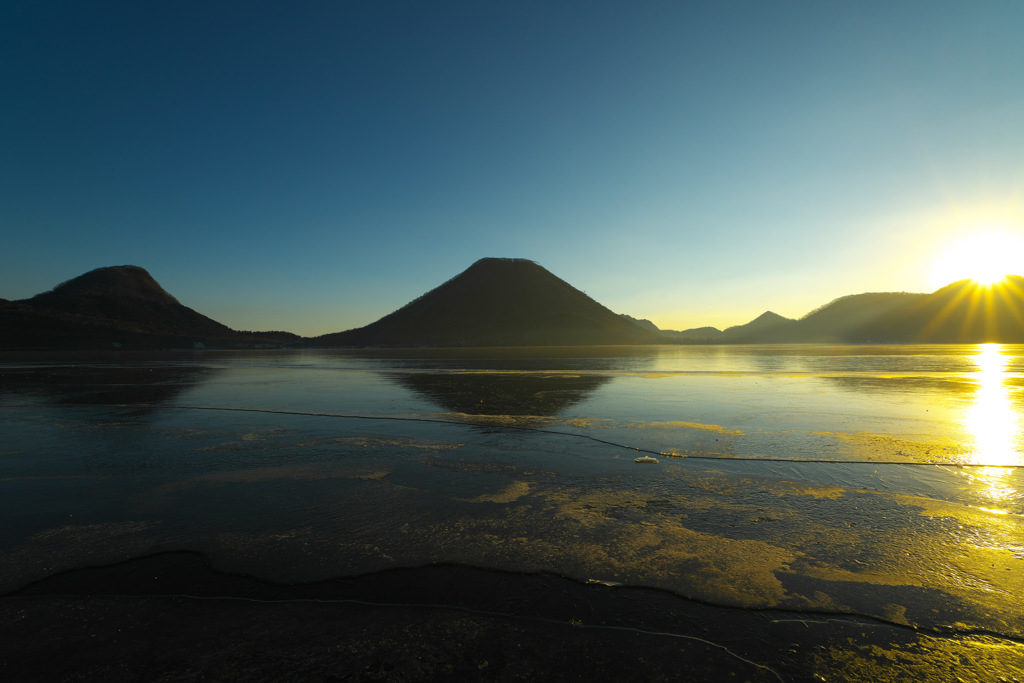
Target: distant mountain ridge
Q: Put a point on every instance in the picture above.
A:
(962, 312)
(499, 302)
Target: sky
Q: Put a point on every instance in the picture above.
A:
(312, 166)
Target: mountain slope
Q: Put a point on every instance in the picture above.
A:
(855, 318)
(130, 298)
(766, 328)
(498, 302)
(960, 312)
(693, 335)
(963, 312)
(117, 306)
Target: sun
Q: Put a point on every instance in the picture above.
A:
(985, 257)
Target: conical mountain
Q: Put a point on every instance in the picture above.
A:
(767, 327)
(499, 302)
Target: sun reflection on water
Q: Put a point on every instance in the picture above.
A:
(994, 423)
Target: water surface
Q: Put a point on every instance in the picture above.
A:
(870, 481)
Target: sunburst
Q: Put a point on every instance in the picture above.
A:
(985, 257)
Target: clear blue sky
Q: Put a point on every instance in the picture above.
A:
(312, 166)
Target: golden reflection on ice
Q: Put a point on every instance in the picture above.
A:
(993, 422)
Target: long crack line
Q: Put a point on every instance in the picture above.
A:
(538, 430)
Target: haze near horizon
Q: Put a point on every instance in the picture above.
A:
(314, 168)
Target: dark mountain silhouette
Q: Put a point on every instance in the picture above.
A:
(767, 326)
(761, 330)
(129, 297)
(119, 306)
(498, 302)
(642, 322)
(694, 335)
(850, 318)
(963, 312)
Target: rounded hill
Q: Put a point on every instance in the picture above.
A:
(130, 297)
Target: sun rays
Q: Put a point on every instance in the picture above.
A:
(984, 257)
(985, 312)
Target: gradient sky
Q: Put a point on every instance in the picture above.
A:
(312, 166)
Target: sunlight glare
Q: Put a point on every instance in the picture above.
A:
(986, 258)
(992, 421)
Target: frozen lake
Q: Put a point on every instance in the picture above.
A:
(879, 483)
